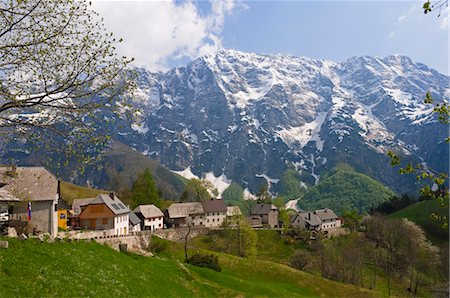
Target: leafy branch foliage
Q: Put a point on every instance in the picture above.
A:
(58, 70)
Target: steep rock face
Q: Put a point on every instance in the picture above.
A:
(251, 116)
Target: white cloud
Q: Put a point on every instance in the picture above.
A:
(392, 34)
(401, 18)
(445, 19)
(157, 31)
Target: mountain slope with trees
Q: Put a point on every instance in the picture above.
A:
(345, 190)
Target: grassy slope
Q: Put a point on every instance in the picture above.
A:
(420, 213)
(345, 190)
(69, 192)
(89, 269)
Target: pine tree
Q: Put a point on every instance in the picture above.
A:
(144, 190)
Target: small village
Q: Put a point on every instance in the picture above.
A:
(31, 205)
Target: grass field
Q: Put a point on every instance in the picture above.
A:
(31, 268)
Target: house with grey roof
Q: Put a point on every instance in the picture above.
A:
(106, 212)
(34, 191)
(182, 214)
(152, 218)
(215, 212)
(319, 220)
(135, 222)
(265, 214)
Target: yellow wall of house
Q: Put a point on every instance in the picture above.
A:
(62, 219)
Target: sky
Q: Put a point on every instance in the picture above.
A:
(164, 34)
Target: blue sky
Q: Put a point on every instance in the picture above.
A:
(162, 34)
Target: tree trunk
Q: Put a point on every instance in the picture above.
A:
(186, 241)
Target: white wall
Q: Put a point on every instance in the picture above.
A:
(154, 223)
(121, 224)
(214, 219)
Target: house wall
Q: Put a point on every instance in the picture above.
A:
(96, 211)
(298, 223)
(331, 224)
(153, 223)
(121, 224)
(272, 219)
(97, 223)
(135, 228)
(214, 219)
(43, 215)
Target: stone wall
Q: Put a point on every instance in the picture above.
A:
(178, 234)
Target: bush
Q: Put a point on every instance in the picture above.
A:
(157, 246)
(300, 260)
(205, 260)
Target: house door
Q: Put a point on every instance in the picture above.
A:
(93, 223)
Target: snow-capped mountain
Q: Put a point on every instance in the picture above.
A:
(248, 117)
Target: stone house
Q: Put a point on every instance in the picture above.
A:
(319, 220)
(151, 217)
(37, 191)
(267, 214)
(179, 214)
(215, 213)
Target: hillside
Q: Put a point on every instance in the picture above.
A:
(420, 213)
(88, 269)
(345, 189)
(70, 191)
(120, 166)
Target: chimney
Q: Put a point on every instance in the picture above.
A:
(111, 195)
(309, 215)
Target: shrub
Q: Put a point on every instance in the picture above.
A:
(300, 259)
(205, 260)
(157, 246)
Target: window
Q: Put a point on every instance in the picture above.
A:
(105, 221)
(159, 225)
(62, 216)
(115, 206)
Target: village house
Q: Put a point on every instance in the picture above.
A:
(182, 214)
(151, 217)
(106, 212)
(34, 193)
(319, 220)
(135, 223)
(264, 215)
(79, 204)
(233, 211)
(215, 213)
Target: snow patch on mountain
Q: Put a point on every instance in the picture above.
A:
(220, 183)
(187, 173)
(302, 135)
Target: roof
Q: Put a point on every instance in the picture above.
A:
(6, 196)
(148, 211)
(180, 210)
(77, 203)
(30, 183)
(260, 209)
(214, 206)
(310, 218)
(116, 205)
(326, 213)
(233, 210)
(134, 220)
